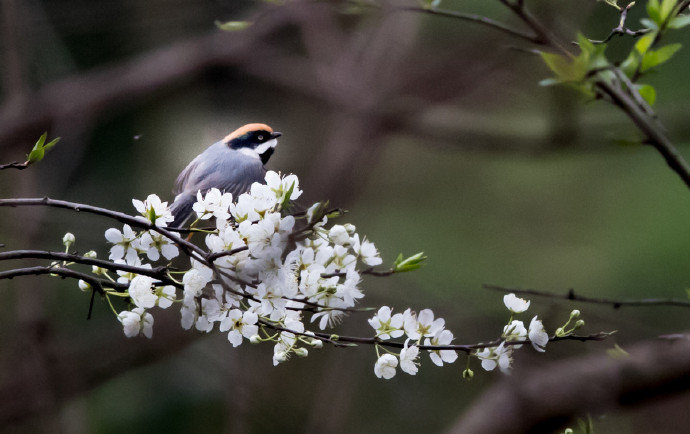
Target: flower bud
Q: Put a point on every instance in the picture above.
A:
(301, 352)
(467, 374)
(97, 270)
(575, 314)
(256, 339)
(68, 239)
(560, 332)
(350, 228)
(84, 286)
(317, 343)
(91, 254)
(579, 323)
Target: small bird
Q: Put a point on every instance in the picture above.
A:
(231, 165)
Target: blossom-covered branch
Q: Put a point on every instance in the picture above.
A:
(263, 275)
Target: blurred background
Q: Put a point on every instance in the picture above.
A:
(433, 133)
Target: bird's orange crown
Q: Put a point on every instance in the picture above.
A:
(247, 129)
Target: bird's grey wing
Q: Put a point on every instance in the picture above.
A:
(232, 175)
(222, 168)
(188, 175)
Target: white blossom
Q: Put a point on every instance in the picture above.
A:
(153, 210)
(515, 304)
(141, 293)
(514, 331)
(385, 366)
(338, 234)
(366, 250)
(424, 325)
(214, 204)
(280, 186)
(136, 321)
(165, 296)
(442, 337)
(125, 243)
(408, 358)
(152, 243)
(537, 334)
(68, 239)
(500, 356)
(239, 324)
(196, 279)
(386, 325)
(83, 285)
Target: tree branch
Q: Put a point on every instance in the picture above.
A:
(571, 295)
(157, 272)
(621, 29)
(546, 398)
(479, 19)
(15, 165)
(647, 124)
(63, 272)
(139, 222)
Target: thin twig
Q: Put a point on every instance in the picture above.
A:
(479, 19)
(157, 272)
(213, 256)
(571, 295)
(15, 165)
(62, 272)
(338, 340)
(621, 29)
(121, 217)
(369, 271)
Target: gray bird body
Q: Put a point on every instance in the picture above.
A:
(229, 170)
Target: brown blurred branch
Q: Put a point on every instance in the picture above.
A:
(544, 399)
(571, 295)
(15, 165)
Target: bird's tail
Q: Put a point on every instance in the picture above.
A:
(181, 209)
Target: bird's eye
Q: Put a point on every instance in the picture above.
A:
(261, 137)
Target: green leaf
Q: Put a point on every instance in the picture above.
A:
(51, 143)
(41, 140)
(643, 44)
(679, 22)
(565, 68)
(284, 205)
(35, 155)
(233, 26)
(667, 7)
(647, 92)
(653, 11)
(657, 57)
(412, 263)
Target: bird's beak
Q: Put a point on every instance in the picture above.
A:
(276, 134)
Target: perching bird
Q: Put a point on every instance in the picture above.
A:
(230, 165)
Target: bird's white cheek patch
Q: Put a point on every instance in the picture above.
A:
(249, 152)
(262, 148)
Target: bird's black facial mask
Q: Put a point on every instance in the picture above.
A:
(262, 142)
